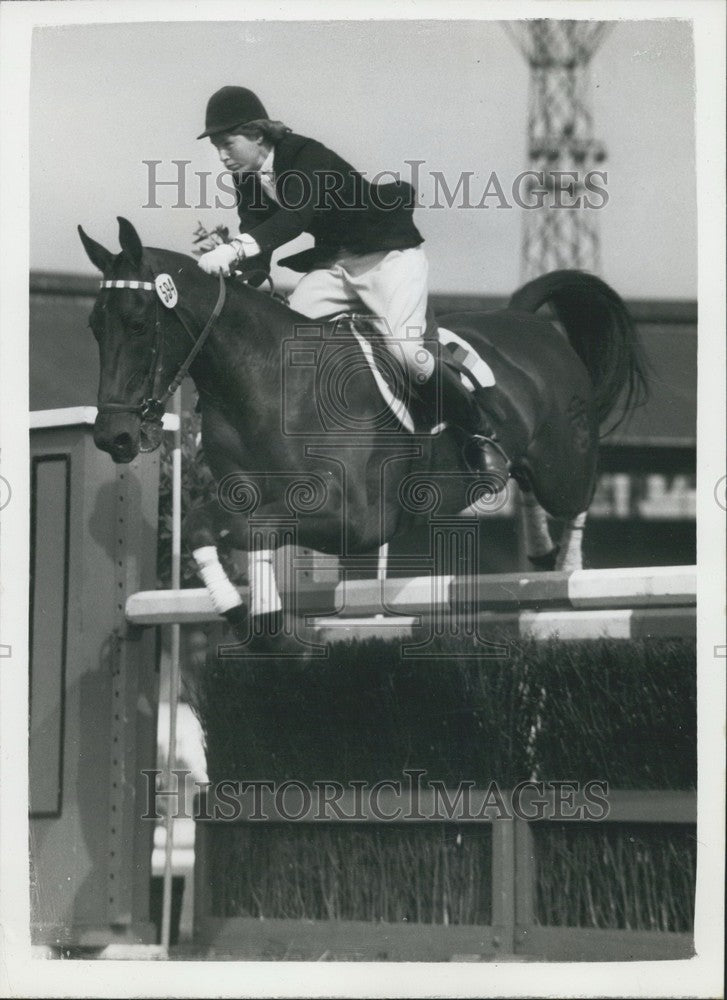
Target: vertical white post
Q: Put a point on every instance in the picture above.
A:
(381, 570)
(383, 561)
(173, 669)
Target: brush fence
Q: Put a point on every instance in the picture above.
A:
(512, 931)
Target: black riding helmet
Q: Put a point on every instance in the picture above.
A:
(230, 107)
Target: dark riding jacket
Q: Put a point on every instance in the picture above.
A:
(322, 194)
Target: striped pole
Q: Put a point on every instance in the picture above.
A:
(625, 590)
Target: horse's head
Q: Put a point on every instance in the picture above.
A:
(125, 323)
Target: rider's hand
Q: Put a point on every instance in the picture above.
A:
(219, 260)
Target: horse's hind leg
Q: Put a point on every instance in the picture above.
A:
(570, 556)
(538, 545)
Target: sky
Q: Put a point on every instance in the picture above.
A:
(106, 98)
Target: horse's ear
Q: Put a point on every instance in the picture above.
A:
(98, 255)
(130, 242)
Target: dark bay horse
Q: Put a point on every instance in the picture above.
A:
(293, 427)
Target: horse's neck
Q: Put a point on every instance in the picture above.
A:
(243, 348)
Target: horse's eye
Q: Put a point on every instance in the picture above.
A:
(137, 326)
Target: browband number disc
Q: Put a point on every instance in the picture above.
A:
(166, 290)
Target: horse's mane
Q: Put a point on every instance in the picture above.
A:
(238, 291)
(264, 321)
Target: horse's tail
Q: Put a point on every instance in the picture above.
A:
(601, 332)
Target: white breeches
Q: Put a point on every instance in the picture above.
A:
(392, 285)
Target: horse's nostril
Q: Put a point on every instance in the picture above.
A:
(122, 442)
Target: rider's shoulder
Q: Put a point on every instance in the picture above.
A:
(292, 147)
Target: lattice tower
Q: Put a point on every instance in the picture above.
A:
(560, 139)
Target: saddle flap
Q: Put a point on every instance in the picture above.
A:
(472, 369)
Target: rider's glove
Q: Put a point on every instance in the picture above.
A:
(220, 260)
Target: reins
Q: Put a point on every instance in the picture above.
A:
(209, 325)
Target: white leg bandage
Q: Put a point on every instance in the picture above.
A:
(534, 520)
(222, 593)
(264, 596)
(570, 556)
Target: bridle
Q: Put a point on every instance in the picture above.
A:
(151, 408)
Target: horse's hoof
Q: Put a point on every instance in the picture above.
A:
(547, 561)
(239, 621)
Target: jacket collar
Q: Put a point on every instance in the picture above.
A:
(266, 167)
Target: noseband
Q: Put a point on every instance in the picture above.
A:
(151, 409)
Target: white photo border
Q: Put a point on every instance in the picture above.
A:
(20, 975)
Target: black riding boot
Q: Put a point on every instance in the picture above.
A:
(469, 411)
(446, 399)
(487, 408)
(484, 452)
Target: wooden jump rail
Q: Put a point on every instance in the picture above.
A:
(584, 604)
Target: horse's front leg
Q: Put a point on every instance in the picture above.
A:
(204, 530)
(211, 527)
(266, 608)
